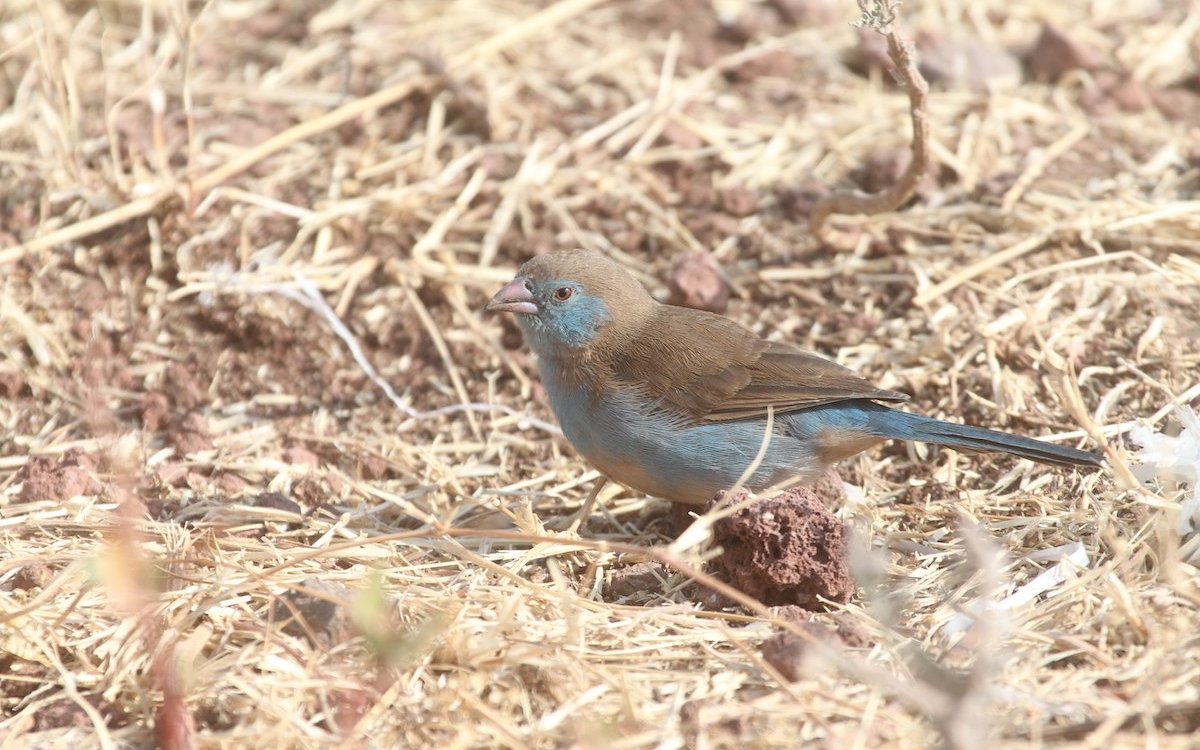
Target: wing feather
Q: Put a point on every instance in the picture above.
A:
(710, 369)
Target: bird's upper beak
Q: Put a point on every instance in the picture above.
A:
(513, 297)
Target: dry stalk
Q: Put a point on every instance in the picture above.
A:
(881, 16)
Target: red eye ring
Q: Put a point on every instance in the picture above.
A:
(563, 293)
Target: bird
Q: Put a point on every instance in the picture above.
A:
(678, 403)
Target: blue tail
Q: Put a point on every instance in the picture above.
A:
(890, 423)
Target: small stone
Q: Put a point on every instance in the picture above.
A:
(634, 581)
(172, 474)
(229, 483)
(299, 456)
(66, 713)
(59, 715)
(276, 501)
(190, 434)
(1116, 90)
(1056, 52)
(1180, 103)
(700, 716)
(372, 467)
(156, 411)
(798, 202)
(739, 201)
(792, 613)
(966, 63)
(43, 478)
(885, 167)
(696, 281)
(786, 651)
(851, 633)
(680, 136)
(629, 240)
(317, 610)
(196, 481)
(774, 63)
(182, 389)
(12, 384)
(754, 22)
(869, 55)
(830, 489)
(787, 549)
(32, 577)
(807, 13)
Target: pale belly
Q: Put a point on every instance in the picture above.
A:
(631, 442)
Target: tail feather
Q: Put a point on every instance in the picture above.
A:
(899, 424)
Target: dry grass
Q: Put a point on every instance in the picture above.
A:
(193, 191)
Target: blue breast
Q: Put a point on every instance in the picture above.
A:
(634, 441)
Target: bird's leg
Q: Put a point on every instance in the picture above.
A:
(585, 510)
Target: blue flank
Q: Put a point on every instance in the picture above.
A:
(627, 439)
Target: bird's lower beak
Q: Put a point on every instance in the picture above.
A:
(514, 297)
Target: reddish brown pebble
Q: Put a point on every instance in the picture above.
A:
(798, 202)
(12, 384)
(830, 489)
(228, 483)
(753, 22)
(966, 63)
(181, 386)
(739, 201)
(1117, 91)
(787, 549)
(628, 240)
(777, 63)
(194, 480)
(33, 576)
(276, 501)
(372, 467)
(1178, 103)
(316, 610)
(695, 281)
(314, 491)
(807, 12)
(65, 713)
(43, 478)
(1056, 52)
(190, 434)
(639, 581)
(172, 474)
(786, 651)
(791, 613)
(298, 456)
(883, 168)
(19, 678)
(705, 715)
(886, 167)
(156, 411)
(869, 55)
(680, 136)
(851, 633)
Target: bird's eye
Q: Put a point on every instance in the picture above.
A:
(563, 293)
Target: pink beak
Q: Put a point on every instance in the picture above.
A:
(514, 297)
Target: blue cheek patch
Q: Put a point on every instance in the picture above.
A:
(569, 325)
(575, 323)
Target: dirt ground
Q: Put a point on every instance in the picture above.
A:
(270, 478)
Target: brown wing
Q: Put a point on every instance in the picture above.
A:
(712, 369)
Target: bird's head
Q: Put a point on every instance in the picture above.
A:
(571, 300)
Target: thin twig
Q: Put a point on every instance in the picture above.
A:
(882, 17)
